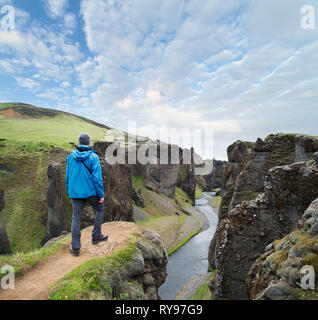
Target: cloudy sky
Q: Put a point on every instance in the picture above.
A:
(242, 68)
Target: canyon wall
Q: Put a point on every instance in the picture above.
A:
(4, 242)
(178, 169)
(277, 274)
(215, 179)
(281, 196)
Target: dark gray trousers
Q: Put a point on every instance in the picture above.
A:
(78, 207)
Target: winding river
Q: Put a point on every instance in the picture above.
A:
(190, 260)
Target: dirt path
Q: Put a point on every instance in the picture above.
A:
(35, 284)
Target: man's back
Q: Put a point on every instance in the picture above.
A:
(84, 174)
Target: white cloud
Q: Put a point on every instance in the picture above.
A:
(12, 40)
(6, 67)
(66, 84)
(70, 21)
(55, 8)
(242, 68)
(28, 83)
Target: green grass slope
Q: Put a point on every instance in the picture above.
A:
(25, 123)
(27, 137)
(165, 216)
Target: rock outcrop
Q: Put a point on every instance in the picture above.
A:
(133, 270)
(245, 179)
(137, 197)
(118, 187)
(250, 227)
(277, 274)
(4, 241)
(153, 271)
(239, 154)
(215, 179)
(163, 175)
(249, 163)
(275, 150)
(186, 176)
(56, 217)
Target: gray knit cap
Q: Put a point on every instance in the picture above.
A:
(84, 139)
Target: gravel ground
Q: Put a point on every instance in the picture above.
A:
(188, 291)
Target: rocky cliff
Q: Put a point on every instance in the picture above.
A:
(133, 272)
(56, 216)
(239, 154)
(245, 231)
(275, 150)
(215, 179)
(178, 169)
(277, 274)
(118, 187)
(4, 242)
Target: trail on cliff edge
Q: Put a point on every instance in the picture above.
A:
(35, 284)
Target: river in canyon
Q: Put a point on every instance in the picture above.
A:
(190, 260)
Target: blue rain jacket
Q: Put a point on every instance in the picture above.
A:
(80, 183)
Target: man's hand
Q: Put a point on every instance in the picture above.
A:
(101, 200)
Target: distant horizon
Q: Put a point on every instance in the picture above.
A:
(241, 68)
(103, 124)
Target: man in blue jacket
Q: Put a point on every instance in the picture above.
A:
(84, 184)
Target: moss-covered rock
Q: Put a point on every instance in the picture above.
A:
(280, 267)
(251, 226)
(134, 272)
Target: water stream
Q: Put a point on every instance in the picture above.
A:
(192, 259)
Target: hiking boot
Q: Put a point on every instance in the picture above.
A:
(74, 252)
(101, 238)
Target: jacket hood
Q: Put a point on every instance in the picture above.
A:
(82, 153)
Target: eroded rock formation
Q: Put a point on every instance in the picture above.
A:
(4, 241)
(118, 187)
(239, 154)
(252, 226)
(215, 179)
(163, 175)
(245, 230)
(276, 275)
(56, 217)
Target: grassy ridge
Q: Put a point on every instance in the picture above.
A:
(24, 159)
(58, 131)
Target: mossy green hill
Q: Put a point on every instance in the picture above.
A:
(27, 123)
(31, 138)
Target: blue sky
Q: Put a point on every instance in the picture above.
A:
(242, 68)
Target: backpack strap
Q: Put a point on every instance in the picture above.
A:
(83, 150)
(90, 171)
